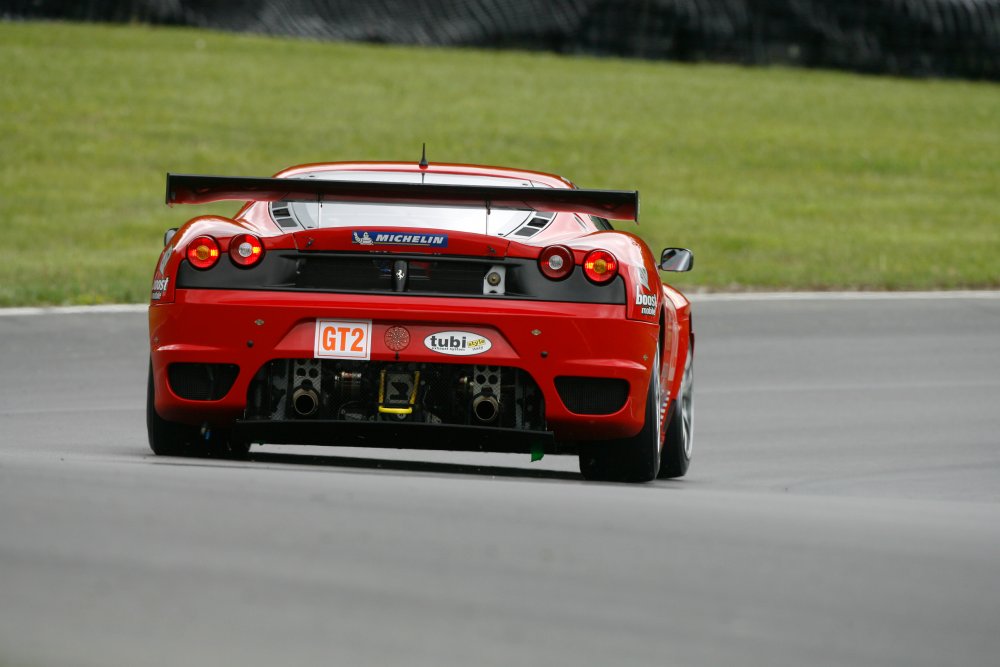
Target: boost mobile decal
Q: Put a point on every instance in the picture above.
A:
(646, 301)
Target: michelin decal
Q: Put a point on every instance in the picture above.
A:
(379, 237)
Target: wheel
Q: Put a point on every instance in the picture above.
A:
(677, 446)
(635, 459)
(168, 438)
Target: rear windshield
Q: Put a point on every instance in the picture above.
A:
(498, 222)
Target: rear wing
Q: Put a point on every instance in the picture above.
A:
(194, 189)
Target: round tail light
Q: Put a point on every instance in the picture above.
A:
(203, 252)
(246, 250)
(556, 262)
(600, 266)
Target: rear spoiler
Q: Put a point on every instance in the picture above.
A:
(194, 189)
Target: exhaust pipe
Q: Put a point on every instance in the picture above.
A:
(305, 401)
(485, 408)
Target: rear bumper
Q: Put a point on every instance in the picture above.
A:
(545, 339)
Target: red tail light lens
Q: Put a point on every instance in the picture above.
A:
(556, 262)
(246, 250)
(203, 252)
(600, 266)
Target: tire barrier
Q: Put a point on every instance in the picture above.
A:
(959, 38)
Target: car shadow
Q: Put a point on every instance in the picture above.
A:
(410, 466)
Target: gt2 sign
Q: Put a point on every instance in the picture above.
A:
(343, 339)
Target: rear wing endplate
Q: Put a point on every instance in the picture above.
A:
(195, 189)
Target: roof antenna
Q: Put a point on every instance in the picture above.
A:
(423, 157)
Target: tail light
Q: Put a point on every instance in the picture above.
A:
(203, 252)
(246, 250)
(556, 262)
(600, 266)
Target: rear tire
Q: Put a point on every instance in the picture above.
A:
(167, 438)
(677, 446)
(635, 459)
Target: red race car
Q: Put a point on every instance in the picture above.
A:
(425, 306)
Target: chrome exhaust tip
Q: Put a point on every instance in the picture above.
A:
(485, 408)
(305, 401)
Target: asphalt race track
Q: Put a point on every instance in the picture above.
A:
(843, 509)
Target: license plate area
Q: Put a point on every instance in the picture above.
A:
(343, 339)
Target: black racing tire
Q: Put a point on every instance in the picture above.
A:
(635, 459)
(167, 438)
(679, 440)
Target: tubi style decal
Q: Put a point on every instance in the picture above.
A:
(457, 343)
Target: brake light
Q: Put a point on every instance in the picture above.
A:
(246, 250)
(203, 252)
(556, 262)
(600, 266)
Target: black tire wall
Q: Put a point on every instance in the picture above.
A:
(958, 38)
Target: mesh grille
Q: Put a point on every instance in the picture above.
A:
(427, 393)
(592, 396)
(202, 382)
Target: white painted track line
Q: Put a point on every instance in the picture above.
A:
(695, 297)
(842, 296)
(75, 310)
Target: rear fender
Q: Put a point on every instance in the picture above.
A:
(222, 230)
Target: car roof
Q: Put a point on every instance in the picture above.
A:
(551, 180)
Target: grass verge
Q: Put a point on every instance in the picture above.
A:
(777, 178)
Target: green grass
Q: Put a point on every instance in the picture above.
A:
(777, 178)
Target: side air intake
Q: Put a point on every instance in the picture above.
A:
(202, 382)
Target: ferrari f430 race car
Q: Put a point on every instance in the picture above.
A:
(433, 306)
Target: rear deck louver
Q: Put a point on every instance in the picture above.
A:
(534, 225)
(283, 215)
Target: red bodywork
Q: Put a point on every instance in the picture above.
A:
(544, 338)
